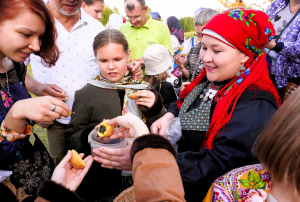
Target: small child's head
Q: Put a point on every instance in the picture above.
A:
(112, 54)
(157, 59)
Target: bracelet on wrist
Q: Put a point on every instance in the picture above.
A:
(11, 136)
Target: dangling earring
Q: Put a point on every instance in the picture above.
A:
(240, 70)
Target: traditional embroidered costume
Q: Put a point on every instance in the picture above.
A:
(221, 120)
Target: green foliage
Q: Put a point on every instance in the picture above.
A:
(115, 10)
(189, 34)
(187, 24)
(149, 10)
(105, 15)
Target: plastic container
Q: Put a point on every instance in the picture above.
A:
(97, 142)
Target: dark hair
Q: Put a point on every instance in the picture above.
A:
(109, 36)
(130, 6)
(278, 146)
(9, 9)
(91, 2)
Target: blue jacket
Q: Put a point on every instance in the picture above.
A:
(288, 60)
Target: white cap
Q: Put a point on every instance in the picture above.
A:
(157, 59)
(115, 21)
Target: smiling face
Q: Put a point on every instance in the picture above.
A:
(94, 10)
(67, 7)
(112, 61)
(21, 36)
(221, 61)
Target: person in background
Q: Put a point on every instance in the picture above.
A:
(223, 110)
(141, 31)
(175, 28)
(277, 148)
(284, 49)
(157, 61)
(192, 41)
(155, 16)
(191, 65)
(115, 21)
(94, 8)
(175, 81)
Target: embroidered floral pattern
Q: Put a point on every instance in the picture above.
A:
(5, 99)
(245, 184)
(30, 172)
(11, 136)
(253, 49)
(238, 14)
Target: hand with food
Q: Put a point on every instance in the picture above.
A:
(76, 161)
(39, 109)
(145, 98)
(104, 129)
(180, 60)
(128, 126)
(69, 176)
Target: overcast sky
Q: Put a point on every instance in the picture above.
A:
(178, 8)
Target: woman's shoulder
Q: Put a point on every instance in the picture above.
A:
(254, 93)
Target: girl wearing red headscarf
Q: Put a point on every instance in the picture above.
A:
(223, 110)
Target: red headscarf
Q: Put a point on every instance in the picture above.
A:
(249, 31)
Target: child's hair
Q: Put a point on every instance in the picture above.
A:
(278, 146)
(109, 36)
(155, 80)
(204, 16)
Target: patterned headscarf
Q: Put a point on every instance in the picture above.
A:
(249, 31)
(175, 28)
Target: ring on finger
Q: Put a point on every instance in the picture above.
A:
(54, 107)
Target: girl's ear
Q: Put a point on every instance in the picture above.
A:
(128, 55)
(244, 58)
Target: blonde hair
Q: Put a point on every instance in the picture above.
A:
(278, 146)
(155, 80)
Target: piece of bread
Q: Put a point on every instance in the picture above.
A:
(133, 96)
(105, 130)
(76, 161)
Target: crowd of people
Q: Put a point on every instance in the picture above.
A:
(229, 93)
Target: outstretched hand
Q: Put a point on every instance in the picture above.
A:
(130, 126)
(68, 176)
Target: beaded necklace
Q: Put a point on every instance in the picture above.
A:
(7, 86)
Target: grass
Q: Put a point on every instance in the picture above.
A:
(41, 132)
(189, 34)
